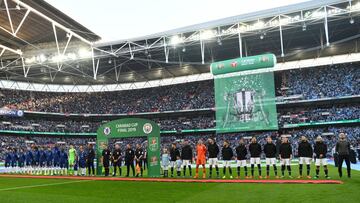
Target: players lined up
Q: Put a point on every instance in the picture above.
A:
(50, 160)
(306, 153)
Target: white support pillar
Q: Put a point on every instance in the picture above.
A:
(240, 40)
(9, 16)
(131, 53)
(25, 69)
(202, 47)
(10, 49)
(2, 52)
(166, 51)
(22, 21)
(57, 46)
(326, 27)
(281, 38)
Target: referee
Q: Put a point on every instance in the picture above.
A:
(116, 159)
(129, 160)
(105, 159)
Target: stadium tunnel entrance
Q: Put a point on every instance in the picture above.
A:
(132, 128)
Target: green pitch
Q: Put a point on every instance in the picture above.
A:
(52, 190)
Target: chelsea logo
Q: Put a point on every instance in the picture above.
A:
(147, 128)
(107, 130)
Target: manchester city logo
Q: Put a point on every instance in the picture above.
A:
(107, 130)
(147, 128)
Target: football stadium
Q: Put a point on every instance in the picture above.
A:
(260, 106)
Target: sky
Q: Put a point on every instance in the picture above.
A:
(119, 19)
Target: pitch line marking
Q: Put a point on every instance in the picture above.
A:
(43, 185)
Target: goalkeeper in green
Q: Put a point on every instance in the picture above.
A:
(72, 159)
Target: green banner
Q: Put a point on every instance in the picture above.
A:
(242, 64)
(245, 103)
(133, 127)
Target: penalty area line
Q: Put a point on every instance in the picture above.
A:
(43, 185)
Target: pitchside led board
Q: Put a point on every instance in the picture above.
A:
(245, 102)
(132, 127)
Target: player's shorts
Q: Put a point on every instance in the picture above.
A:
(71, 161)
(172, 164)
(186, 163)
(322, 161)
(213, 161)
(62, 165)
(200, 161)
(227, 163)
(270, 161)
(241, 163)
(305, 160)
(255, 160)
(49, 163)
(285, 162)
(165, 167)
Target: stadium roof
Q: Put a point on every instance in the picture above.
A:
(34, 29)
(297, 32)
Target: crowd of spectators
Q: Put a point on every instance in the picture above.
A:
(309, 83)
(195, 95)
(321, 82)
(285, 116)
(311, 114)
(88, 126)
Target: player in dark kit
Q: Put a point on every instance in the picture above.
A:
(116, 159)
(129, 160)
(105, 159)
(270, 154)
(305, 153)
(174, 153)
(255, 152)
(241, 153)
(21, 160)
(90, 160)
(186, 156)
(139, 153)
(320, 150)
(227, 155)
(82, 161)
(285, 152)
(213, 150)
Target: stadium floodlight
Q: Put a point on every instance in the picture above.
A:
(219, 41)
(30, 60)
(259, 24)
(175, 40)
(71, 56)
(207, 34)
(41, 58)
(351, 21)
(304, 27)
(261, 36)
(184, 49)
(318, 14)
(58, 58)
(84, 53)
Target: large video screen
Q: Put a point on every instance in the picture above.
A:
(245, 103)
